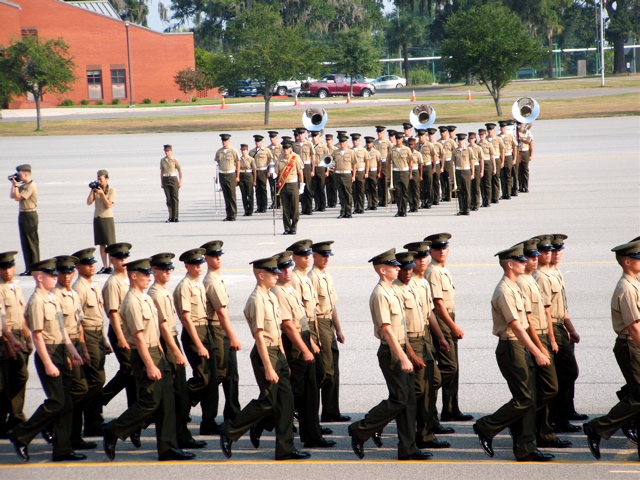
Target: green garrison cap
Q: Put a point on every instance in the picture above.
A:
(85, 256)
(438, 240)
(213, 248)
(163, 260)
(558, 241)
(386, 258)
(531, 247)
(544, 243)
(142, 265)
(419, 249)
(194, 256)
(631, 249)
(323, 248)
(513, 253)
(46, 266)
(66, 263)
(119, 250)
(25, 167)
(7, 259)
(270, 264)
(301, 247)
(406, 260)
(284, 259)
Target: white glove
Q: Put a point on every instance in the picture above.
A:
(302, 188)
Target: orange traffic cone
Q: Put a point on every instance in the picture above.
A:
(348, 98)
(469, 95)
(413, 95)
(224, 105)
(296, 103)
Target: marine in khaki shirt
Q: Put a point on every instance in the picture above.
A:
(139, 313)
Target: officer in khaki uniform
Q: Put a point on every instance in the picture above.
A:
(510, 157)
(275, 149)
(90, 296)
(438, 165)
(525, 155)
(72, 313)
(248, 179)
(489, 161)
(478, 172)
(361, 168)
(344, 175)
(27, 196)
(228, 160)
(499, 155)
(171, 182)
(320, 172)
(224, 337)
(162, 266)
(625, 317)
(401, 163)
(448, 170)
(386, 305)
(330, 184)
(304, 149)
(17, 333)
(513, 354)
(415, 176)
(463, 158)
(382, 145)
(190, 300)
(263, 158)
(270, 367)
(46, 322)
(371, 183)
(290, 171)
(152, 372)
(428, 157)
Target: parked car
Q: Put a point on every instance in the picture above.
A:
(244, 88)
(389, 81)
(336, 84)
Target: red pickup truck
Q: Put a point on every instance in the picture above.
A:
(337, 84)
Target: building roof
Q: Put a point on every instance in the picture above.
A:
(102, 7)
(10, 4)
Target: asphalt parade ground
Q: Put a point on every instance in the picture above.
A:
(585, 182)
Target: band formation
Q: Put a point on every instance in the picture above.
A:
(294, 322)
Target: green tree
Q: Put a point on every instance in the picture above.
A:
(135, 11)
(36, 66)
(404, 29)
(624, 21)
(489, 43)
(354, 53)
(191, 79)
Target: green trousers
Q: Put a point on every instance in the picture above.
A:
(228, 186)
(124, 377)
(330, 387)
(171, 189)
(180, 394)
(227, 371)
(16, 376)
(546, 390)
(448, 366)
(94, 373)
(426, 392)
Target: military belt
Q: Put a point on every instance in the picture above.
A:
(415, 334)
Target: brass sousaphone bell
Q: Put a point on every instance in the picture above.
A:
(525, 110)
(314, 119)
(422, 116)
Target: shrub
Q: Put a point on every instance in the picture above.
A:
(421, 76)
(115, 101)
(146, 101)
(84, 102)
(67, 102)
(163, 101)
(194, 99)
(177, 100)
(100, 102)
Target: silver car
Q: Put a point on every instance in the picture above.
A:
(386, 82)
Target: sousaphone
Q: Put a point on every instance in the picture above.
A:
(422, 116)
(314, 119)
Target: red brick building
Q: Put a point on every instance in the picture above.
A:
(98, 39)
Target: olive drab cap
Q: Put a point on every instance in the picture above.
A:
(163, 260)
(438, 240)
(544, 243)
(461, 136)
(328, 135)
(142, 265)
(283, 259)
(481, 131)
(301, 247)
(272, 133)
(399, 135)
(392, 132)
(287, 144)
(85, 256)
(380, 128)
(558, 241)
(451, 128)
(432, 131)
(258, 138)
(406, 260)
(168, 147)
(407, 126)
(23, 168)
(244, 146)
(513, 253)
(355, 136)
(213, 248)
(102, 173)
(323, 248)
(195, 256)
(443, 128)
(7, 259)
(369, 139)
(270, 264)
(46, 266)
(419, 249)
(315, 133)
(531, 247)
(66, 263)
(225, 136)
(286, 139)
(385, 258)
(503, 123)
(341, 132)
(119, 250)
(490, 126)
(300, 130)
(421, 131)
(631, 250)
(343, 138)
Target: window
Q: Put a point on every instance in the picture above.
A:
(29, 32)
(94, 81)
(118, 83)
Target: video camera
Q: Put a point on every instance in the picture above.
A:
(95, 184)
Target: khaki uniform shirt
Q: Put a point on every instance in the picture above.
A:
(375, 159)
(166, 309)
(217, 294)
(275, 150)
(422, 287)
(463, 158)
(45, 313)
(247, 163)
(92, 303)
(438, 151)
(14, 304)
(100, 210)
(262, 312)
(362, 157)
(507, 305)
(29, 193)
(448, 146)
(625, 304)
(524, 140)
(551, 292)
(321, 151)
(412, 304)
(509, 143)
(327, 296)
(400, 157)
(139, 314)
(386, 305)
(418, 159)
(226, 158)
(113, 292)
(71, 309)
(383, 147)
(298, 167)
(170, 166)
(305, 291)
(533, 302)
(262, 157)
(345, 160)
(189, 296)
(498, 146)
(304, 150)
(441, 285)
(291, 307)
(478, 153)
(428, 153)
(487, 149)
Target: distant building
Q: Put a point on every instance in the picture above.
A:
(98, 39)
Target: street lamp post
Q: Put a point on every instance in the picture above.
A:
(131, 104)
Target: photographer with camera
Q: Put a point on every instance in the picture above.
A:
(104, 229)
(27, 194)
